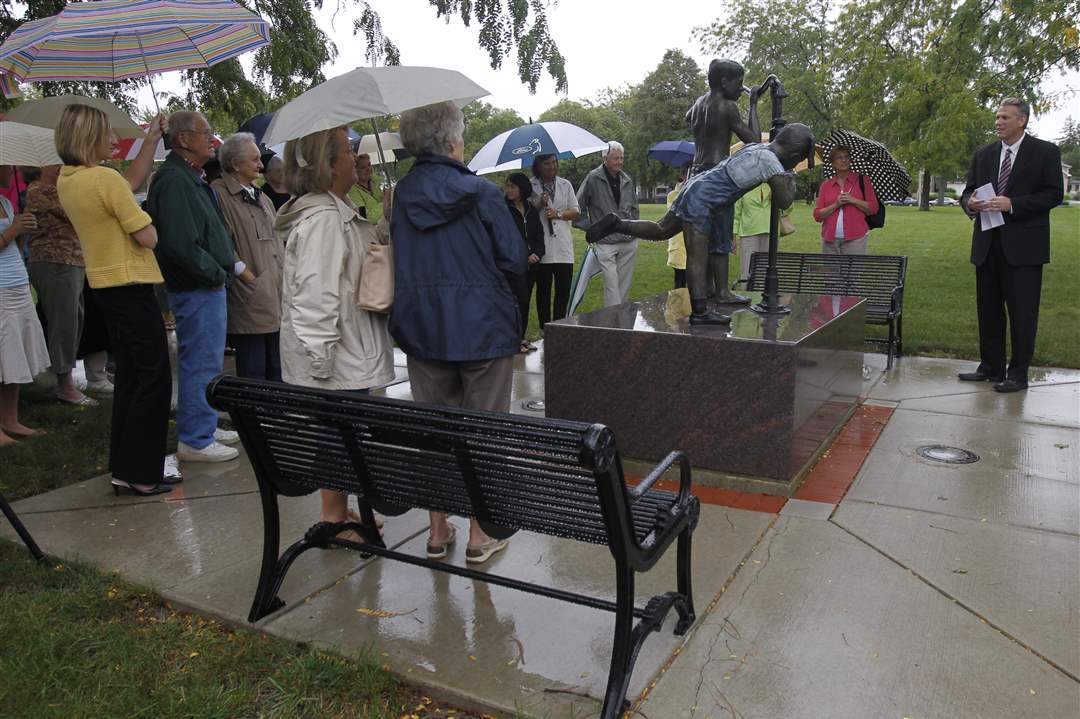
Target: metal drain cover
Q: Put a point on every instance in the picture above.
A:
(947, 455)
(533, 405)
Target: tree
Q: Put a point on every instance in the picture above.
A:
(657, 111)
(793, 39)
(483, 122)
(298, 51)
(1069, 143)
(924, 76)
(602, 119)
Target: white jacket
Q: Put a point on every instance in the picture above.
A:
(326, 340)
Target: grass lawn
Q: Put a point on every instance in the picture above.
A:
(939, 303)
(90, 645)
(75, 448)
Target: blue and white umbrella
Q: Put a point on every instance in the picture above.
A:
(515, 149)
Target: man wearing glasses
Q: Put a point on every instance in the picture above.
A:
(197, 260)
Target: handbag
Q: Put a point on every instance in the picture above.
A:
(877, 219)
(376, 291)
(787, 226)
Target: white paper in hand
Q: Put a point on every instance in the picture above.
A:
(988, 219)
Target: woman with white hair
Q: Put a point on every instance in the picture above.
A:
(327, 341)
(254, 301)
(457, 254)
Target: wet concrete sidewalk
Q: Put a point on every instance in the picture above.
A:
(929, 590)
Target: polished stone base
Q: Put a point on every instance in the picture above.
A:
(758, 400)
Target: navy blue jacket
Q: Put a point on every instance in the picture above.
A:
(457, 253)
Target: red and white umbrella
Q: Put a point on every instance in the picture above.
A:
(127, 149)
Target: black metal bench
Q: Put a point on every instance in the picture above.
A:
(878, 278)
(511, 473)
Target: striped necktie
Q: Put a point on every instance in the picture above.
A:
(1006, 169)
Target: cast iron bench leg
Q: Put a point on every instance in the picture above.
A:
(266, 599)
(23, 532)
(686, 610)
(889, 347)
(622, 653)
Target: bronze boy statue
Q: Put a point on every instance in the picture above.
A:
(713, 119)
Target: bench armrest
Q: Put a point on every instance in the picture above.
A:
(658, 471)
(897, 299)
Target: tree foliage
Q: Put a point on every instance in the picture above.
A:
(657, 111)
(926, 75)
(483, 122)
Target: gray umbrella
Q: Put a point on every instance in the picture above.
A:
(870, 158)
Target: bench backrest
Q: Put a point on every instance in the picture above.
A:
(555, 477)
(871, 276)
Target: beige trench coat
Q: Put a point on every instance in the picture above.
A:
(327, 341)
(253, 309)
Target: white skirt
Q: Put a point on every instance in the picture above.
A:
(23, 352)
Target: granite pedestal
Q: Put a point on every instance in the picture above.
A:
(757, 400)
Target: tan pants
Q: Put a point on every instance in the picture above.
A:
(845, 247)
(484, 384)
(748, 245)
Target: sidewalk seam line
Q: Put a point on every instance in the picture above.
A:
(961, 517)
(995, 419)
(654, 679)
(132, 504)
(960, 603)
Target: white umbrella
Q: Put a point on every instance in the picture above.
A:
(515, 149)
(390, 141)
(590, 267)
(30, 145)
(46, 112)
(368, 92)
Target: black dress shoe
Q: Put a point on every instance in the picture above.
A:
(978, 376)
(1011, 385)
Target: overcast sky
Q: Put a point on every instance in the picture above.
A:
(606, 43)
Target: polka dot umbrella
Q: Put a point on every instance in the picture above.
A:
(869, 157)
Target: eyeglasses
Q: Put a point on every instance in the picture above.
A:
(207, 131)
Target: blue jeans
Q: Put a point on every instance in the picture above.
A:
(200, 340)
(258, 356)
(707, 202)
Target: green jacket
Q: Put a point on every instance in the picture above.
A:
(372, 205)
(752, 212)
(194, 249)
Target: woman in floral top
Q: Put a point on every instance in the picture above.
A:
(57, 272)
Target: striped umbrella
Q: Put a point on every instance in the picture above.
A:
(869, 157)
(128, 148)
(112, 40)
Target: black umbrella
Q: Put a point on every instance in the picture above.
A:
(870, 158)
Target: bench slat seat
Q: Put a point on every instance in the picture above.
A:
(877, 278)
(510, 473)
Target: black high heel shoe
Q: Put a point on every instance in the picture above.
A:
(160, 488)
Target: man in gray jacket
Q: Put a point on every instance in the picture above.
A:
(604, 190)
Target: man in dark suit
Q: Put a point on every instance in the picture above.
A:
(1025, 173)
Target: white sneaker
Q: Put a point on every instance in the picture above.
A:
(172, 470)
(102, 387)
(226, 436)
(213, 452)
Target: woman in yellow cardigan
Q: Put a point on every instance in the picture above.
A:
(117, 240)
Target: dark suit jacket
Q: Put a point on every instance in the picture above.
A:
(1035, 187)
